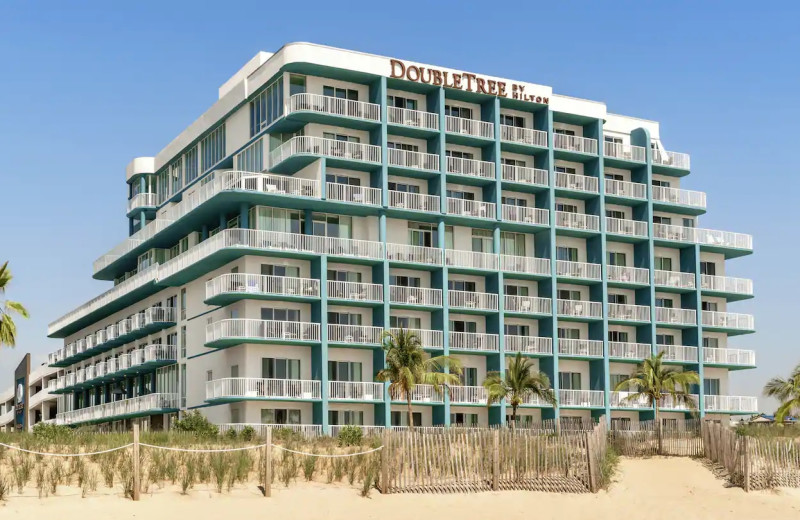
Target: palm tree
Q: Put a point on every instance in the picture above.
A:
(655, 381)
(407, 366)
(787, 391)
(521, 382)
(8, 329)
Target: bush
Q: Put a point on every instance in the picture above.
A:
(231, 434)
(286, 435)
(197, 423)
(248, 433)
(350, 436)
(52, 432)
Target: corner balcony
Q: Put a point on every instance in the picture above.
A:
(523, 136)
(300, 151)
(526, 215)
(524, 176)
(626, 228)
(468, 395)
(730, 357)
(579, 270)
(363, 195)
(469, 127)
(400, 296)
(624, 351)
(251, 388)
(629, 401)
(355, 335)
(628, 313)
(674, 280)
(624, 275)
(727, 242)
(471, 168)
(579, 309)
(677, 317)
(403, 254)
(525, 266)
(142, 202)
(355, 293)
(527, 305)
(469, 260)
(231, 287)
(355, 391)
(141, 406)
(678, 353)
(467, 301)
(430, 339)
(332, 110)
(671, 159)
(528, 345)
(581, 398)
(732, 404)
(421, 394)
(134, 244)
(413, 161)
(401, 200)
(669, 404)
(471, 208)
(413, 119)
(675, 199)
(474, 341)
(730, 322)
(615, 189)
(624, 152)
(732, 288)
(574, 143)
(580, 348)
(230, 332)
(581, 222)
(581, 183)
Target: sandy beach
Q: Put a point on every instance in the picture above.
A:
(651, 488)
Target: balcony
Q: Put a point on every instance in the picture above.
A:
(629, 351)
(468, 395)
(625, 152)
(668, 403)
(581, 270)
(726, 285)
(421, 394)
(524, 175)
(353, 194)
(581, 398)
(471, 259)
(332, 106)
(355, 334)
(525, 265)
(471, 208)
(355, 292)
(728, 321)
(413, 160)
(677, 197)
(729, 356)
(573, 182)
(430, 339)
(474, 341)
(408, 254)
(580, 348)
(523, 136)
(527, 304)
(127, 408)
(229, 287)
(627, 275)
(530, 345)
(414, 202)
(625, 313)
(580, 309)
(730, 404)
(625, 190)
(355, 391)
(574, 143)
(472, 301)
(710, 239)
(226, 333)
(678, 353)
(6, 418)
(577, 221)
(671, 159)
(674, 279)
(299, 151)
(471, 168)
(625, 227)
(681, 317)
(469, 127)
(526, 215)
(142, 359)
(306, 430)
(413, 118)
(243, 388)
(414, 296)
(629, 400)
(142, 201)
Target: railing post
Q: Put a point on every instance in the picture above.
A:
(495, 459)
(590, 465)
(267, 455)
(136, 476)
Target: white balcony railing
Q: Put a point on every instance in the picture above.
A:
(525, 175)
(580, 347)
(261, 284)
(470, 167)
(691, 198)
(308, 145)
(675, 279)
(680, 353)
(528, 344)
(306, 430)
(258, 388)
(474, 341)
(422, 394)
(142, 200)
(628, 400)
(355, 194)
(701, 236)
(581, 398)
(355, 391)
(667, 402)
(415, 118)
(471, 208)
(471, 259)
(726, 284)
(468, 394)
(574, 143)
(676, 316)
(430, 339)
(674, 159)
(624, 350)
(414, 160)
(729, 356)
(625, 151)
(361, 334)
(728, 320)
(472, 300)
(415, 296)
(318, 103)
(579, 308)
(526, 215)
(414, 201)
(617, 311)
(528, 304)
(525, 264)
(625, 274)
(250, 329)
(567, 219)
(571, 181)
(730, 403)
(632, 228)
(585, 270)
(529, 136)
(136, 405)
(473, 127)
(414, 254)
(633, 190)
(355, 291)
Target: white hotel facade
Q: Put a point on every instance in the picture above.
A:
(329, 195)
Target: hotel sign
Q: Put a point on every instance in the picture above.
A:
(464, 81)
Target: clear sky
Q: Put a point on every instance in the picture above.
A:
(84, 88)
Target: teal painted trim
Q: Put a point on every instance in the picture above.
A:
(323, 347)
(382, 95)
(701, 391)
(386, 312)
(205, 405)
(549, 166)
(603, 273)
(323, 184)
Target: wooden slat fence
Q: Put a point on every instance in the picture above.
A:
(678, 438)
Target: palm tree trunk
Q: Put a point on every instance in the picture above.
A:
(659, 434)
(410, 413)
(514, 417)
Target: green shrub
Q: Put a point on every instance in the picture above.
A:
(350, 436)
(248, 433)
(286, 435)
(52, 432)
(197, 423)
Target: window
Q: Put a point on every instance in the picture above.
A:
(340, 92)
(463, 326)
(515, 290)
(268, 313)
(190, 165)
(344, 371)
(405, 281)
(569, 254)
(461, 285)
(341, 137)
(213, 148)
(456, 111)
(568, 294)
(711, 387)
(569, 380)
(338, 226)
(482, 241)
(401, 102)
(710, 342)
(615, 213)
(614, 176)
(344, 318)
(344, 417)
(617, 336)
(183, 304)
(251, 159)
(619, 299)
(394, 145)
(267, 106)
(403, 187)
(667, 221)
(297, 84)
(661, 184)
(460, 195)
(280, 368)
(569, 333)
(276, 219)
(509, 120)
(512, 243)
(183, 385)
(617, 258)
(616, 379)
(469, 376)
(708, 268)
(512, 162)
(171, 302)
(459, 155)
(709, 306)
(563, 131)
(420, 234)
(688, 222)
(405, 322)
(280, 416)
(515, 201)
(401, 418)
(464, 419)
(665, 339)
(335, 275)
(209, 375)
(512, 329)
(566, 208)
(565, 169)
(663, 263)
(234, 370)
(343, 179)
(286, 271)
(183, 342)
(666, 303)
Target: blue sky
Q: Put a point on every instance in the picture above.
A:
(83, 89)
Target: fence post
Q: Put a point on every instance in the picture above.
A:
(136, 477)
(746, 449)
(590, 463)
(385, 462)
(495, 459)
(268, 464)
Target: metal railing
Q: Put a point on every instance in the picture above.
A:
(574, 143)
(567, 219)
(525, 264)
(728, 320)
(579, 308)
(411, 159)
(625, 274)
(529, 136)
(580, 347)
(414, 201)
(253, 387)
(136, 405)
(679, 353)
(471, 208)
(422, 394)
(674, 159)
(524, 174)
(625, 151)
(472, 300)
(676, 316)
(306, 102)
(674, 279)
(526, 215)
(730, 403)
(355, 391)
(261, 284)
(308, 145)
(528, 304)
(471, 259)
(632, 190)
(624, 350)
(585, 270)
(414, 254)
(726, 284)
(415, 295)
(470, 167)
(667, 402)
(620, 226)
(306, 430)
(368, 430)
(241, 328)
(468, 394)
(355, 194)
(571, 181)
(429, 339)
(474, 341)
(415, 118)
(581, 398)
(617, 311)
(474, 127)
(355, 291)
(628, 400)
(142, 200)
(729, 356)
(528, 344)
(701, 236)
(695, 199)
(360, 334)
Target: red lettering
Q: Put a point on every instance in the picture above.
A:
(415, 70)
(481, 86)
(397, 65)
(457, 81)
(422, 71)
(501, 89)
(437, 77)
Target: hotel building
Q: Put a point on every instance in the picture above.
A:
(330, 195)
(30, 399)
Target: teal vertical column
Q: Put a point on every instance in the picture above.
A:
(308, 221)
(442, 152)
(701, 391)
(244, 214)
(500, 411)
(142, 189)
(498, 168)
(604, 268)
(550, 160)
(323, 173)
(445, 318)
(319, 353)
(382, 101)
(223, 223)
(379, 355)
